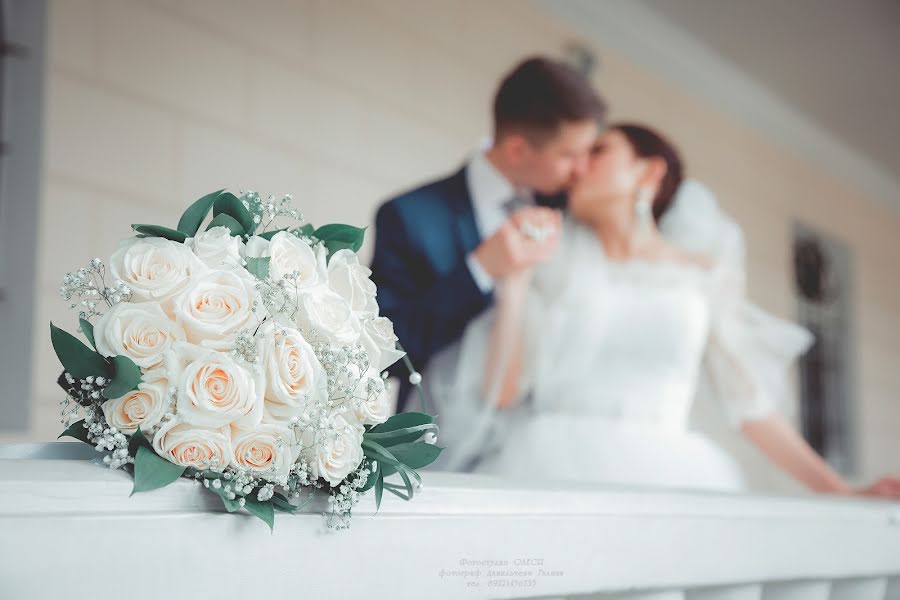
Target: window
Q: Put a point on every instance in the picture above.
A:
(823, 276)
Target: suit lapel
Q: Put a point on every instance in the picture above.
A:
(464, 211)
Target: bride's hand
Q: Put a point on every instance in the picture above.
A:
(886, 487)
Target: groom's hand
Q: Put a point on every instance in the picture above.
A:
(529, 237)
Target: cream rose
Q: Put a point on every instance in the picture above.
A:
(293, 374)
(290, 255)
(217, 248)
(380, 342)
(372, 406)
(191, 446)
(214, 390)
(154, 268)
(338, 450)
(142, 332)
(256, 247)
(264, 448)
(215, 307)
(143, 407)
(351, 281)
(330, 315)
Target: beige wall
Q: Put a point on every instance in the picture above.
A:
(151, 104)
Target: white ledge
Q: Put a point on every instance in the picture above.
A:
(68, 522)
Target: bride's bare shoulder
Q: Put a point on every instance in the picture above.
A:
(693, 259)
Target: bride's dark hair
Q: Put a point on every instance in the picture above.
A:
(647, 143)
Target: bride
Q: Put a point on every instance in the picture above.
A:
(590, 363)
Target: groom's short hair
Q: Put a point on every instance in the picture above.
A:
(538, 95)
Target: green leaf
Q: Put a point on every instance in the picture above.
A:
(193, 217)
(137, 440)
(228, 221)
(126, 377)
(268, 235)
(370, 482)
(373, 450)
(395, 489)
(379, 489)
(337, 237)
(78, 431)
(151, 471)
(76, 358)
(160, 231)
(88, 329)
(258, 267)
(401, 420)
(261, 510)
(416, 455)
(307, 230)
(229, 204)
(400, 436)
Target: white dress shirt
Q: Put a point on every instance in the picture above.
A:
(489, 190)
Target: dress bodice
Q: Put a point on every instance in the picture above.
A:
(627, 338)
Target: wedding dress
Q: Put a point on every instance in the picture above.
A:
(613, 355)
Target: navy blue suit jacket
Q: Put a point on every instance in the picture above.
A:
(422, 238)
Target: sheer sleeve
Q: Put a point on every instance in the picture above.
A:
(749, 355)
(750, 352)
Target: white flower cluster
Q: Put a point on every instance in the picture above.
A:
(257, 381)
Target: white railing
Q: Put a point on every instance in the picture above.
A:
(70, 530)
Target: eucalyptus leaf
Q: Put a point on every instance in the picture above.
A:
(152, 471)
(258, 266)
(416, 455)
(268, 235)
(76, 358)
(379, 490)
(193, 217)
(337, 236)
(160, 231)
(223, 220)
(400, 436)
(262, 510)
(370, 482)
(88, 329)
(126, 377)
(137, 440)
(229, 204)
(78, 431)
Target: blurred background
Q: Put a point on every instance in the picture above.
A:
(123, 111)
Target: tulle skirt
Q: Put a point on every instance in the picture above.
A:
(566, 447)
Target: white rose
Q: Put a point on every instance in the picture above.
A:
(214, 390)
(216, 306)
(330, 315)
(263, 448)
(142, 332)
(143, 407)
(256, 247)
(191, 446)
(217, 248)
(351, 281)
(338, 450)
(294, 377)
(371, 406)
(291, 255)
(154, 268)
(380, 342)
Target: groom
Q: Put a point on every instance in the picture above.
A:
(441, 248)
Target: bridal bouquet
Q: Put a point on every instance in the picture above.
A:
(246, 357)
